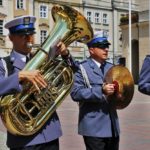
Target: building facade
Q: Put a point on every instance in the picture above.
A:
(140, 38)
(102, 15)
(9, 10)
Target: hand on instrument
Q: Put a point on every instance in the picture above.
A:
(62, 50)
(34, 77)
(108, 89)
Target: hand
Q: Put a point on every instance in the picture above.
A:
(34, 77)
(108, 89)
(62, 50)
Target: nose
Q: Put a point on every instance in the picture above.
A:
(29, 38)
(106, 49)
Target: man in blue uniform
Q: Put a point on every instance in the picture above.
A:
(98, 121)
(21, 34)
(144, 78)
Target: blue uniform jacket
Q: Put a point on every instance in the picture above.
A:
(144, 78)
(8, 85)
(95, 113)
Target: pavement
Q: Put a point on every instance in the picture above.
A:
(134, 122)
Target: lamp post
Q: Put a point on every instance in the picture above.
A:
(84, 47)
(112, 4)
(130, 38)
(149, 24)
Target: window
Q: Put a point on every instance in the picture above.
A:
(89, 16)
(1, 2)
(105, 33)
(43, 11)
(97, 17)
(20, 4)
(105, 18)
(1, 27)
(121, 2)
(43, 36)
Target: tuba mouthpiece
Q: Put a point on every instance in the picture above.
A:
(29, 45)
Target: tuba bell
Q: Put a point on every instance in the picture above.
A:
(26, 112)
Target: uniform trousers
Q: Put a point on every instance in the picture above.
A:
(53, 145)
(96, 143)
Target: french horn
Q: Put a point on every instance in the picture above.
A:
(26, 112)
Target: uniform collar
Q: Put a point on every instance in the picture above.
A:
(18, 60)
(15, 55)
(97, 63)
(96, 66)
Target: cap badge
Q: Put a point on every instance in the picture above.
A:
(26, 21)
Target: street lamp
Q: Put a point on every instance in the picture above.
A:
(84, 47)
(113, 27)
(130, 52)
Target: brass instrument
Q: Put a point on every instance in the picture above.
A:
(26, 112)
(124, 86)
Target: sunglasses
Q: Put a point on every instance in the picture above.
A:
(102, 45)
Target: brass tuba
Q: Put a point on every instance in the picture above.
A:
(26, 112)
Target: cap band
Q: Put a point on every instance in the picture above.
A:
(21, 27)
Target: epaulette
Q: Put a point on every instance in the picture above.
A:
(109, 62)
(7, 65)
(83, 61)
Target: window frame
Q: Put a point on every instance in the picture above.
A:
(43, 13)
(42, 36)
(20, 4)
(1, 2)
(97, 19)
(89, 17)
(1, 27)
(105, 19)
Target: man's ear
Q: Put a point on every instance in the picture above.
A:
(91, 50)
(10, 37)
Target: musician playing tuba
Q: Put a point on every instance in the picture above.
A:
(98, 120)
(21, 34)
(32, 90)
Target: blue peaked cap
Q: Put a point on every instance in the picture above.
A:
(21, 25)
(99, 38)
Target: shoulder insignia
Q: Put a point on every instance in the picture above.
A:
(82, 62)
(109, 62)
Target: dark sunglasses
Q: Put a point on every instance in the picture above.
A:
(101, 45)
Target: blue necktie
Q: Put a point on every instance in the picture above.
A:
(27, 59)
(102, 68)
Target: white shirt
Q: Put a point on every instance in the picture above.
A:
(21, 56)
(97, 63)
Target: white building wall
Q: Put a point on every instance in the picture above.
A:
(7, 9)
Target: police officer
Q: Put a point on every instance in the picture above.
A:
(21, 34)
(144, 78)
(98, 121)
